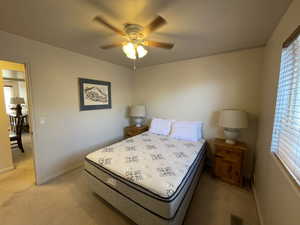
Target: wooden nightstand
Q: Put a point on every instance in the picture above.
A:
(133, 131)
(228, 161)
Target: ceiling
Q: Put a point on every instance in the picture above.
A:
(197, 27)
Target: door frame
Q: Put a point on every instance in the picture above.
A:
(32, 124)
(31, 120)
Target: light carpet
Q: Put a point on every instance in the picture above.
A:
(68, 200)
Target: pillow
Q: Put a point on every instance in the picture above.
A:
(160, 126)
(187, 130)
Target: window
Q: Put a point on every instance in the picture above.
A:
(286, 130)
(8, 93)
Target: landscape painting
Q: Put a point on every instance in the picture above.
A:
(94, 94)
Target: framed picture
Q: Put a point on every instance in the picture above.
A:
(94, 94)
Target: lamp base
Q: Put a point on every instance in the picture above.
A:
(18, 110)
(138, 121)
(231, 135)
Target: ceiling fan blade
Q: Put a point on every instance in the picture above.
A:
(159, 44)
(155, 24)
(114, 45)
(108, 25)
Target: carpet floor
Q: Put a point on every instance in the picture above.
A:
(68, 200)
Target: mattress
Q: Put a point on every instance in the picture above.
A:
(137, 213)
(151, 170)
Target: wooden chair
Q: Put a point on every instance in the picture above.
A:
(13, 122)
(16, 133)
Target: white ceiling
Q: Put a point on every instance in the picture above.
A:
(197, 27)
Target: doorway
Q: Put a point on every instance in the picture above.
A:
(17, 173)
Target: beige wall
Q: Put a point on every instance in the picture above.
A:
(278, 197)
(197, 89)
(6, 162)
(7, 65)
(67, 134)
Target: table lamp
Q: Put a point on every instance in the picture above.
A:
(138, 113)
(232, 121)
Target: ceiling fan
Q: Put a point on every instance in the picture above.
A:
(135, 37)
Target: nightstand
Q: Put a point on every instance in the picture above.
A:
(228, 161)
(133, 131)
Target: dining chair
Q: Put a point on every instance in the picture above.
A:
(16, 133)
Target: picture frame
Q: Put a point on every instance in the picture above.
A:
(94, 94)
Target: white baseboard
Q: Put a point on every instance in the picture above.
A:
(60, 173)
(261, 221)
(6, 169)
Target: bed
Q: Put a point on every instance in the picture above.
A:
(150, 178)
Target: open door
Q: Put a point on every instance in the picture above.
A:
(6, 163)
(16, 141)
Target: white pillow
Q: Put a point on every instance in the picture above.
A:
(160, 126)
(187, 130)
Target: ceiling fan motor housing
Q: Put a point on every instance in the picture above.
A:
(134, 31)
(135, 34)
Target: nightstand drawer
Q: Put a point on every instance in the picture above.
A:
(131, 133)
(228, 171)
(228, 154)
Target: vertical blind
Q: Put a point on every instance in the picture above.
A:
(286, 130)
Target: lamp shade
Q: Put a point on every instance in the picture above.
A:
(230, 118)
(138, 111)
(17, 100)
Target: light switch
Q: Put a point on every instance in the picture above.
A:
(42, 120)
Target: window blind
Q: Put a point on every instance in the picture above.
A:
(286, 130)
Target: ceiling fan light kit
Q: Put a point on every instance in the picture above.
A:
(129, 50)
(134, 51)
(141, 51)
(135, 36)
